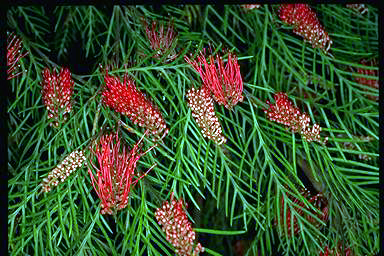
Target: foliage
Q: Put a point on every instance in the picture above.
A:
(233, 190)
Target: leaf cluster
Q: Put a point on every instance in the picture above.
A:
(234, 190)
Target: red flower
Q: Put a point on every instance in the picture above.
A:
(203, 111)
(57, 90)
(126, 99)
(178, 228)
(114, 172)
(319, 201)
(14, 45)
(285, 113)
(374, 83)
(306, 24)
(225, 83)
(162, 43)
(336, 252)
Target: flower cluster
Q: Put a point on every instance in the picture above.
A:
(57, 90)
(336, 252)
(285, 113)
(177, 228)
(361, 8)
(251, 6)
(373, 83)
(239, 247)
(203, 111)
(14, 55)
(126, 99)
(306, 24)
(162, 42)
(351, 146)
(71, 163)
(115, 170)
(224, 82)
(318, 201)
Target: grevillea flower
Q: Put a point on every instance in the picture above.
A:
(225, 83)
(115, 171)
(352, 146)
(361, 8)
(318, 201)
(162, 42)
(306, 24)
(336, 252)
(14, 55)
(70, 164)
(239, 247)
(57, 91)
(178, 228)
(201, 104)
(285, 113)
(251, 6)
(126, 99)
(373, 83)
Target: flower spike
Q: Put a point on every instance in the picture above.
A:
(115, 170)
(126, 99)
(361, 8)
(285, 113)
(318, 201)
(14, 55)
(338, 251)
(373, 83)
(57, 90)
(162, 43)
(69, 164)
(178, 229)
(251, 6)
(224, 82)
(305, 24)
(203, 111)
